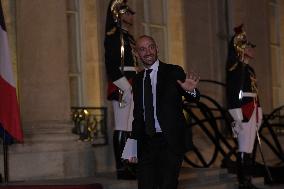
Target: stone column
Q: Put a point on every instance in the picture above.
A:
(43, 65)
(50, 150)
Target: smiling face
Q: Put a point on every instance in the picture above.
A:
(147, 50)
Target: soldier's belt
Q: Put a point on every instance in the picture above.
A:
(248, 94)
(128, 68)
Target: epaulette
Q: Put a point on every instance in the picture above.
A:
(112, 31)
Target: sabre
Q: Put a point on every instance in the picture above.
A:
(262, 156)
(120, 92)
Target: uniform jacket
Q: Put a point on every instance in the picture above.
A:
(241, 77)
(169, 106)
(112, 45)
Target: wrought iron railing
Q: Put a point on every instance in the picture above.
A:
(90, 124)
(213, 120)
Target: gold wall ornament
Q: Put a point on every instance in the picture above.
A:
(90, 124)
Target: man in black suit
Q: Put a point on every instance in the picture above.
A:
(160, 127)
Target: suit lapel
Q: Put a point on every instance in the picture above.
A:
(161, 77)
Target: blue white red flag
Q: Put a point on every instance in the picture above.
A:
(10, 128)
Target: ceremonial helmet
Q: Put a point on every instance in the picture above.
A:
(116, 8)
(240, 41)
(237, 46)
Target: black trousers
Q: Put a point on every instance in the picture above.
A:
(123, 169)
(158, 166)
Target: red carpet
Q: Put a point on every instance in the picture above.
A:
(89, 186)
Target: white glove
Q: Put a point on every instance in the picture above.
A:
(237, 115)
(236, 128)
(126, 97)
(123, 84)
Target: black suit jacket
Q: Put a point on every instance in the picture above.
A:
(169, 106)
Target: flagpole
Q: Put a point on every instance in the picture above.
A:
(6, 171)
(5, 154)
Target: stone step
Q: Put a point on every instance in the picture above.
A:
(201, 178)
(109, 181)
(220, 184)
(204, 175)
(190, 178)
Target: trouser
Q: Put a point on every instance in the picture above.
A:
(123, 169)
(246, 140)
(244, 170)
(122, 127)
(158, 165)
(123, 117)
(247, 134)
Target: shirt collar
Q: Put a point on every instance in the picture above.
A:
(155, 65)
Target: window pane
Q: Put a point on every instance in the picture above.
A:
(159, 35)
(273, 24)
(71, 5)
(140, 10)
(73, 19)
(275, 66)
(73, 65)
(74, 88)
(156, 11)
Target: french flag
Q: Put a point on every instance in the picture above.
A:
(10, 128)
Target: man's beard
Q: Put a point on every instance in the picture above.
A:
(150, 59)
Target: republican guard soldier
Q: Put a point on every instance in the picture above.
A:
(120, 65)
(243, 103)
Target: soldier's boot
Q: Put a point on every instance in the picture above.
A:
(244, 170)
(123, 170)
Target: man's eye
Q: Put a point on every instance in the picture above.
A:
(152, 47)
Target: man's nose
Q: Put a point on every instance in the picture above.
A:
(148, 51)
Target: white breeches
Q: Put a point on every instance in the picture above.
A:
(123, 117)
(248, 131)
